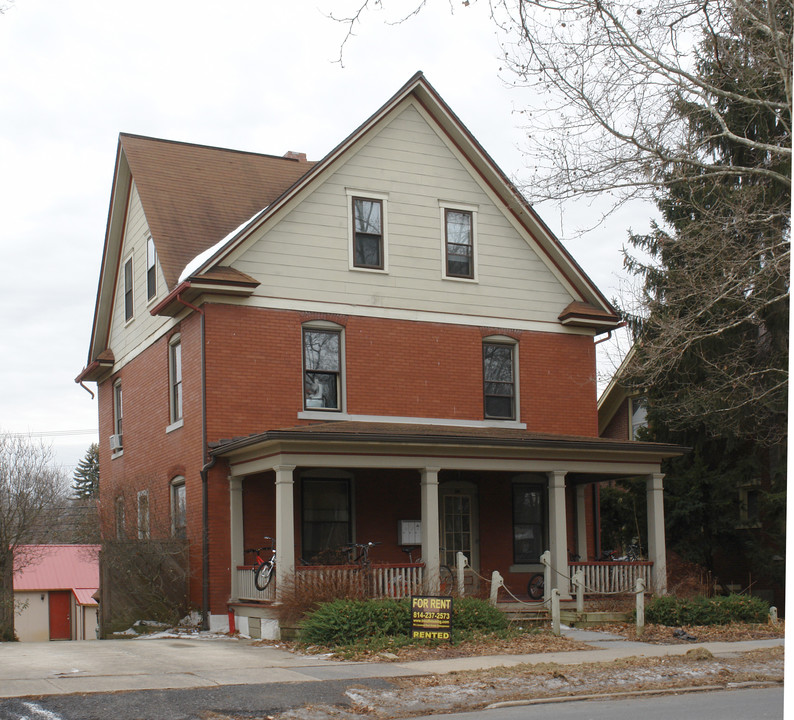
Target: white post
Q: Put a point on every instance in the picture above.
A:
(555, 612)
(558, 534)
(285, 528)
(496, 582)
(236, 532)
(581, 522)
(656, 542)
(545, 560)
(578, 583)
(639, 589)
(430, 529)
(460, 567)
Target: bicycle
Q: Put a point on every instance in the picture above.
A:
(362, 558)
(536, 587)
(446, 576)
(263, 569)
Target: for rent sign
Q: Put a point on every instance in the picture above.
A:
(431, 617)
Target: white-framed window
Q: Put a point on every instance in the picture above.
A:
(129, 305)
(500, 384)
(323, 367)
(151, 269)
(459, 241)
(143, 515)
(178, 508)
(118, 409)
(368, 245)
(639, 415)
(175, 378)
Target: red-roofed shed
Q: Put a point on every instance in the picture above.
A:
(54, 587)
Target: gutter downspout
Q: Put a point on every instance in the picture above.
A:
(88, 390)
(609, 333)
(207, 464)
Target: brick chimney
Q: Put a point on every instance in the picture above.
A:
(292, 155)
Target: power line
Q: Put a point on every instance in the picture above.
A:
(52, 433)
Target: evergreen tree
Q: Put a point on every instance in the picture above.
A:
(712, 340)
(85, 482)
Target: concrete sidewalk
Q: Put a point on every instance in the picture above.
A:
(56, 668)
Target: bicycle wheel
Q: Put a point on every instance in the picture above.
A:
(263, 575)
(536, 586)
(447, 580)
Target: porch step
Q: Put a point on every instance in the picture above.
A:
(519, 613)
(593, 619)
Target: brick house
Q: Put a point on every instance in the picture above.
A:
(387, 345)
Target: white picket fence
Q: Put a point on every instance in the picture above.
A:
(612, 577)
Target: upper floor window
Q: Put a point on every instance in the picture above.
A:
(175, 378)
(151, 269)
(128, 294)
(117, 409)
(639, 416)
(459, 241)
(499, 386)
(322, 364)
(367, 218)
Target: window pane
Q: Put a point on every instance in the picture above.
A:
(367, 250)
(321, 390)
(321, 350)
(176, 381)
(498, 361)
(179, 514)
(151, 278)
(499, 389)
(128, 289)
(366, 214)
(459, 228)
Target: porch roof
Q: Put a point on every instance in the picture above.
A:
(442, 443)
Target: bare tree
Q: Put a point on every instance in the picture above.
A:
(606, 77)
(31, 490)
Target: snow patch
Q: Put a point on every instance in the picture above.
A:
(202, 257)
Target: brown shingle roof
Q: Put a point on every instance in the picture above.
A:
(194, 195)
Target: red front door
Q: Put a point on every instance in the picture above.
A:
(60, 615)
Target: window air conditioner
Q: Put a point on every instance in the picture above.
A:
(115, 442)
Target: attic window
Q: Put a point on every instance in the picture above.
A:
(458, 241)
(128, 304)
(151, 269)
(367, 222)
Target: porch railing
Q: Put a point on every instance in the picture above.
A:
(378, 580)
(246, 590)
(612, 577)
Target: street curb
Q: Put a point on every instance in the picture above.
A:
(630, 693)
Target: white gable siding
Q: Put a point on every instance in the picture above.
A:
(126, 337)
(305, 256)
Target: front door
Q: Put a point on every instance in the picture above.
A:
(60, 615)
(459, 524)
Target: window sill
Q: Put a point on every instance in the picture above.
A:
(175, 426)
(338, 415)
(117, 454)
(323, 415)
(379, 271)
(460, 279)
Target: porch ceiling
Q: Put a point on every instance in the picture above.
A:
(396, 445)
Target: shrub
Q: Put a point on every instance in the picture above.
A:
(722, 610)
(344, 622)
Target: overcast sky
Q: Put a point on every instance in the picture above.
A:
(253, 75)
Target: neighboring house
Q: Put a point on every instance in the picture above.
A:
(54, 590)
(621, 414)
(322, 351)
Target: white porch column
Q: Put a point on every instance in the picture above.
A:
(285, 527)
(558, 534)
(657, 549)
(430, 530)
(581, 522)
(236, 531)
